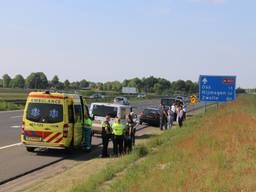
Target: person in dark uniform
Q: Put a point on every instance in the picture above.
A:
(132, 124)
(129, 135)
(106, 134)
(163, 117)
(180, 116)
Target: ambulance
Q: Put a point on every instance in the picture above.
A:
(53, 120)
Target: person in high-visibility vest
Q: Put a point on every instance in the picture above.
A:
(87, 132)
(118, 136)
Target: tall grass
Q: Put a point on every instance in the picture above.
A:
(219, 154)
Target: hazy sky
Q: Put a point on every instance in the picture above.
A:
(105, 40)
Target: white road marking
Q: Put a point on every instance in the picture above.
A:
(13, 117)
(11, 111)
(8, 146)
(15, 126)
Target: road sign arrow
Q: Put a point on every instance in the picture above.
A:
(205, 81)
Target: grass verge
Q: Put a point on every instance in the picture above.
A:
(214, 152)
(4, 106)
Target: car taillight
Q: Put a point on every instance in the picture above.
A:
(65, 130)
(22, 128)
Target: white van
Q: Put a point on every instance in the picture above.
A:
(98, 112)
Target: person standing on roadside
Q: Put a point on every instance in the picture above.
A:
(128, 134)
(170, 118)
(118, 136)
(180, 116)
(87, 132)
(174, 111)
(106, 135)
(163, 117)
(133, 115)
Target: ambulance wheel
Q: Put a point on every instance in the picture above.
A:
(69, 150)
(30, 149)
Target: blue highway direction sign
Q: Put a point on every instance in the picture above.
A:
(217, 88)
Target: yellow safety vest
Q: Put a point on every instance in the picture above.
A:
(88, 123)
(118, 129)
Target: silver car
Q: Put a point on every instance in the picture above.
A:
(121, 100)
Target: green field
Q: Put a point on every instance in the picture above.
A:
(215, 151)
(12, 95)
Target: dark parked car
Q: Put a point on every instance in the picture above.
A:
(151, 116)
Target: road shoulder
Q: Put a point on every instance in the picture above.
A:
(69, 172)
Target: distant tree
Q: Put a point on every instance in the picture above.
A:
(125, 83)
(107, 86)
(112, 86)
(84, 84)
(55, 81)
(6, 80)
(149, 83)
(116, 86)
(135, 82)
(75, 85)
(240, 90)
(99, 86)
(66, 84)
(17, 82)
(139, 83)
(180, 85)
(60, 86)
(37, 81)
(157, 88)
(1, 82)
(189, 86)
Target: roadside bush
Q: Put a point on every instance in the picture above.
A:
(8, 106)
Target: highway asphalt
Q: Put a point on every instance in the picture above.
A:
(10, 127)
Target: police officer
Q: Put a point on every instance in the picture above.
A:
(163, 117)
(106, 135)
(129, 135)
(130, 121)
(118, 136)
(87, 132)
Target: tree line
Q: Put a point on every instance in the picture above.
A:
(147, 84)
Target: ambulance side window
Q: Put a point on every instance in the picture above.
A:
(70, 114)
(78, 112)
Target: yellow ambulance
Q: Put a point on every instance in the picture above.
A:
(53, 120)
